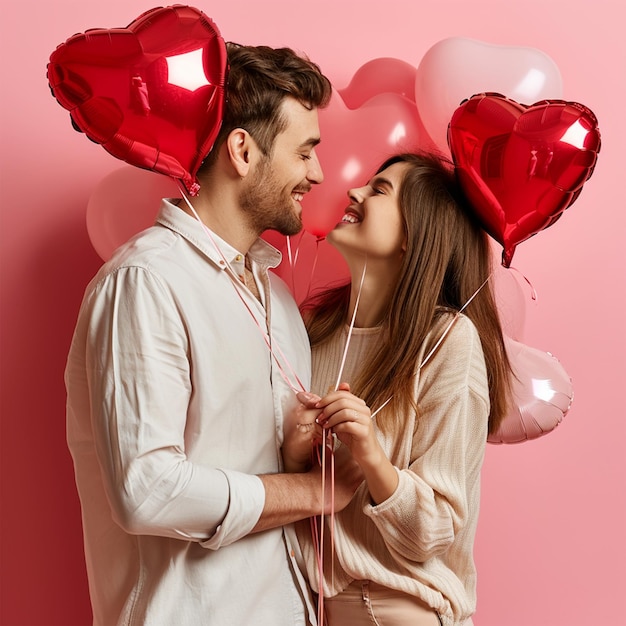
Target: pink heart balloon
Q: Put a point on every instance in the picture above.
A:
(456, 68)
(542, 395)
(383, 75)
(354, 143)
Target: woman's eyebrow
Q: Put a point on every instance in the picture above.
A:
(379, 180)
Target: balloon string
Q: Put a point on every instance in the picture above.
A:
(315, 533)
(314, 266)
(332, 517)
(320, 562)
(318, 532)
(533, 293)
(440, 340)
(297, 254)
(267, 337)
(293, 259)
(291, 266)
(351, 327)
(328, 437)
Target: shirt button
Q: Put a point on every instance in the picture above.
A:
(222, 263)
(238, 257)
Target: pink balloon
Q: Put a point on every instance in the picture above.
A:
(512, 298)
(124, 203)
(457, 68)
(542, 395)
(384, 75)
(354, 143)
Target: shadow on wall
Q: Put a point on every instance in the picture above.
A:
(39, 499)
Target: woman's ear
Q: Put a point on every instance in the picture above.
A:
(240, 146)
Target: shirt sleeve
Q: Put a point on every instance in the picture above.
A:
(438, 493)
(138, 374)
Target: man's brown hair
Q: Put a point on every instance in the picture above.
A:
(259, 79)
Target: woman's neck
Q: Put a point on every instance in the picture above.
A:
(376, 288)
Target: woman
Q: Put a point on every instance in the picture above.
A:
(422, 385)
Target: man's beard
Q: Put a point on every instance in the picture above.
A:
(267, 205)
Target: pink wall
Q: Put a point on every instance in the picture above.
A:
(551, 541)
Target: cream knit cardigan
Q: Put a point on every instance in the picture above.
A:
(420, 540)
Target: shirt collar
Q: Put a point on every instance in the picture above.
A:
(214, 247)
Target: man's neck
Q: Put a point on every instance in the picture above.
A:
(225, 221)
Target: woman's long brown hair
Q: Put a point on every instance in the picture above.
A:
(447, 259)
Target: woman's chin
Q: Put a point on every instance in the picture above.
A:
(348, 250)
(334, 237)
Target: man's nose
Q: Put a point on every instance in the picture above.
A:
(314, 173)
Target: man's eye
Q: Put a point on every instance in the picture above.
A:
(305, 157)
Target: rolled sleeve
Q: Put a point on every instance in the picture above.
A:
(140, 388)
(247, 498)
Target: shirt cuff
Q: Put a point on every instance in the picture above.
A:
(247, 499)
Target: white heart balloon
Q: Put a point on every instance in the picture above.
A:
(123, 203)
(457, 68)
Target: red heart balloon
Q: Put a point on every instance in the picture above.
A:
(521, 166)
(151, 94)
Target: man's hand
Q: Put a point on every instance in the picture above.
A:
(347, 478)
(302, 436)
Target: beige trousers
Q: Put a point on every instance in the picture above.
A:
(364, 603)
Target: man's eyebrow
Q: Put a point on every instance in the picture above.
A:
(310, 143)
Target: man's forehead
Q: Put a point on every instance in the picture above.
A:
(302, 122)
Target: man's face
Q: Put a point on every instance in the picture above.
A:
(272, 193)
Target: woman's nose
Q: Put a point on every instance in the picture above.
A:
(357, 194)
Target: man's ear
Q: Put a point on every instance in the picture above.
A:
(241, 148)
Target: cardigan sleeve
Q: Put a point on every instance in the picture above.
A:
(438, 493)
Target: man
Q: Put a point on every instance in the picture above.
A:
(185, 360)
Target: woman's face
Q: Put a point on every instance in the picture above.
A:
(373, 223)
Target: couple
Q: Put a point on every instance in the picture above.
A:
(189, 357)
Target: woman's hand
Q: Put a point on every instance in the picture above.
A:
(349, 417)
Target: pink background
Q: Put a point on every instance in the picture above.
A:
(551, 541)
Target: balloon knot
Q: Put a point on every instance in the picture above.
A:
(193, 188)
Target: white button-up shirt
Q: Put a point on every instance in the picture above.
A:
(175, 405)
